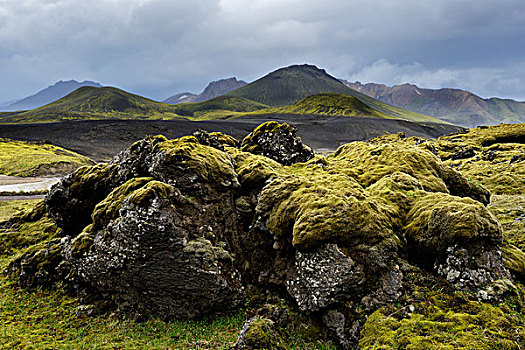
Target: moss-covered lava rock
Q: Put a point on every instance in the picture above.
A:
(180, 228)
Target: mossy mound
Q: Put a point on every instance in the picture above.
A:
(323, 207)
(188, 155)
(495, 159)
(515, 260)
(437, 221)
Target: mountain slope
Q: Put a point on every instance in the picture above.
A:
(453, 105)
(48, 95)
(113, 103)
(214, 89)
(95, 103)
(288, 85)
(218, 107)
(330, 104)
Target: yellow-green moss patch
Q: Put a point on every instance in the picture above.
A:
(151, 190)
(444, 322)
(18, 158)
(109, 207)
(206, 162)
(437, 220)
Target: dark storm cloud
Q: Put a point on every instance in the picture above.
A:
(159, 47)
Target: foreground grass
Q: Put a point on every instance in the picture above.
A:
(48, 320)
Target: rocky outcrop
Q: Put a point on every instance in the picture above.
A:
(180, 228)
(278, 142)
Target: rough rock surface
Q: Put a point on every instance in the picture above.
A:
(278, 142)
(150, 246)
(179, 228)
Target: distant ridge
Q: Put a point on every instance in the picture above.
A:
(453, 105)
(286, 86)
(48, 95)
(214, 89)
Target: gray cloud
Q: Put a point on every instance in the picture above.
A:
(160, 47)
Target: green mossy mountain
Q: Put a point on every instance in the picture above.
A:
(112, 103)
(331, 104)
(289, 85)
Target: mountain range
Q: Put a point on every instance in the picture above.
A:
(288, 85)
(295, 90)
(47, 95)
(283, 91)
(214, 89)
(456, 106)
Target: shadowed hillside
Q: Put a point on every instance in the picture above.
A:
(214, 89)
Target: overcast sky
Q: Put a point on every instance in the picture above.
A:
(160, 47)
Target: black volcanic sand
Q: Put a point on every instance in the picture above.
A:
(102, 139)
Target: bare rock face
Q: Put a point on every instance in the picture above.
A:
(278, 142)
(323, 277)
(152, 259)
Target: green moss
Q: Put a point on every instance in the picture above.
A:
(109, 207)
(18, 158)
(254, 170)
(83, 242)
(30, 213)
(152, 189)
(225, 140)
(514, 260)
(209, 163)
(27, 227)
(261, 335)
(318, 207)
(26, 234)
(369, 162)
(444, 322)
(494, 147)
(205, 250)
(12, 207)
(398, 188)
(437, 220)
(88, 176)
(508, 209)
